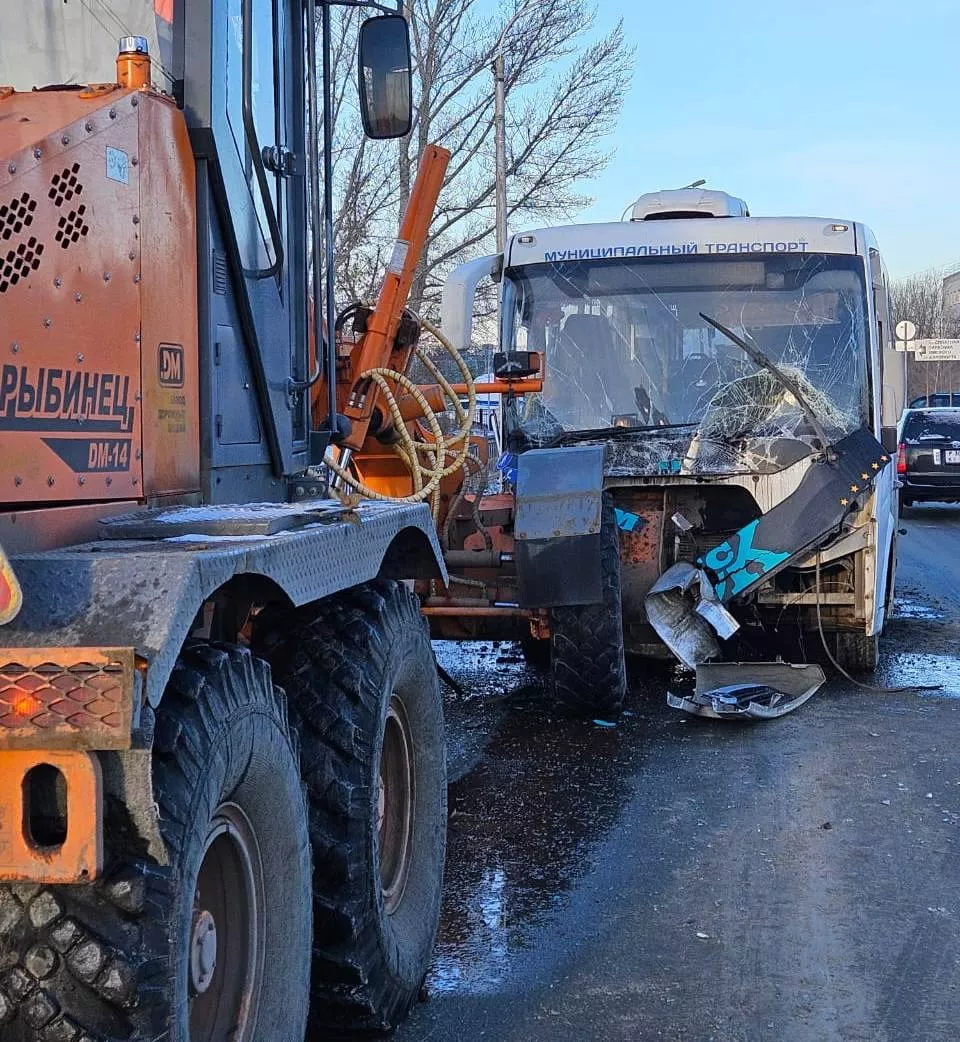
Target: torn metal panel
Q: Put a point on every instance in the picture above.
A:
(814, 512)
(683, 608)
(749, 690)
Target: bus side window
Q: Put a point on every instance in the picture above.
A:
(881, 301)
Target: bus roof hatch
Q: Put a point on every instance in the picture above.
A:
(687, 202)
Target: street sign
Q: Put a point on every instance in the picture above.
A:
(905, 329)
(935, 350)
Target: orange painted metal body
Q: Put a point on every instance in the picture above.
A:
(99, 394)
(99, 407)
(375, 349)
(80, 856)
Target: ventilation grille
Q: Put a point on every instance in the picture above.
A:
(18, 263)
(219, 273)
(72, 227)
(16, 215)
(65, 185)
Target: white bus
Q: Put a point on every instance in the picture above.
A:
(655, 334)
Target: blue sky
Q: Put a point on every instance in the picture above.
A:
(829, 108)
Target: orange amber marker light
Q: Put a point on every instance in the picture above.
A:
(133, 62)
(10, 596)
(26, 705)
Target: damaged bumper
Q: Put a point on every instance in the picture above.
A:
(687, 604)
(743, 690)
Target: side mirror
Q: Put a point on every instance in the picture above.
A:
(889, 440)
(386, 92)
(516, 365)
(459, 289)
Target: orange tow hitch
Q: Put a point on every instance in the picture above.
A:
(58, 708)
(51, 826)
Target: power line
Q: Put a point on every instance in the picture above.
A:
(937, 269)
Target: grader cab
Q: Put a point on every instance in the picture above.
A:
(222, 772)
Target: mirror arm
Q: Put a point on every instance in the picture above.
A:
(312, 171)
(329, 271)
(397, 8)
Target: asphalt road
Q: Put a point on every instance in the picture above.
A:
(693, 881)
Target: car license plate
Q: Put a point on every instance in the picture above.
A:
(951, 456)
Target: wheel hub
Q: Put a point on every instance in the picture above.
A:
(203, 952)
(227, 938)
(395, 803)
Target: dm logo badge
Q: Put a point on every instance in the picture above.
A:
(171, 365)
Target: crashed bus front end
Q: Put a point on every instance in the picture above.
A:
(737, 378)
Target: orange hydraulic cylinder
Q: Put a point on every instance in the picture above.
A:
(382, 325)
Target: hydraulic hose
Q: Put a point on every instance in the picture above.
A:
(426, 460)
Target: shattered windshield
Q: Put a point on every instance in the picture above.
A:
(626, 344)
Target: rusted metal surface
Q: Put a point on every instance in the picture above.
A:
(66, 698)
(80, 856)
(641, 549)
(11, 596)
(145, 594)
(473, 558)
(28, 531)
(70, 417)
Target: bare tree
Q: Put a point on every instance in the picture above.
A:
(919, 298)
(564, 90)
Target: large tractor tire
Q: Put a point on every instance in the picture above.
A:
(214, 947)
(364, 692)
(535, 652)
(586, 641)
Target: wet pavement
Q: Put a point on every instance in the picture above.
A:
(689, 880)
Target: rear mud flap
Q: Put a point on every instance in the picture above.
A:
(749, 690)
(557, 531)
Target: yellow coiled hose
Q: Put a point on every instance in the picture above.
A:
(426, 461)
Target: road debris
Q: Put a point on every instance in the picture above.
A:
(756, 690)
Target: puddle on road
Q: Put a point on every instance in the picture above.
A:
(908, 608)
(917, 667)
(524, 817)
(534, 793)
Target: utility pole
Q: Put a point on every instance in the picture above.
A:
(500, 125)
(500, 133)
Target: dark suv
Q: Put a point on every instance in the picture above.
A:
(928, 462)
(939, 399)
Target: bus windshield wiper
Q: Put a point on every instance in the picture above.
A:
(760, 359)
